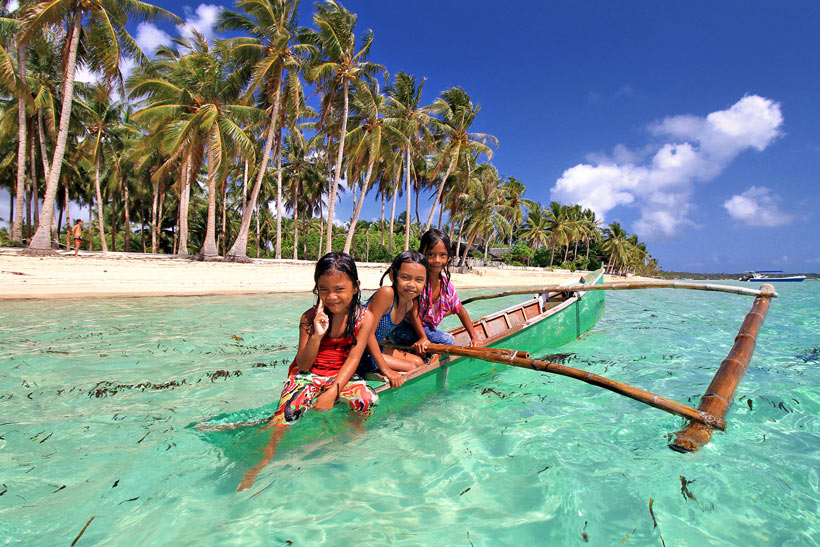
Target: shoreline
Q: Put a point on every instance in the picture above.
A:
(95, 274)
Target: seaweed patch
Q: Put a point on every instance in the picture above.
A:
(684, 488)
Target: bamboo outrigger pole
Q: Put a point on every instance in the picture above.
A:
(632, 285)
(509, 357)
(718, 396)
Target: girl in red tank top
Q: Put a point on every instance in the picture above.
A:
(332, 337)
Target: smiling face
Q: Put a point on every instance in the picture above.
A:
(410, 280)
(337, 291)
(437, 257)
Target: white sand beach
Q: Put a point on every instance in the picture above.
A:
(119, 274)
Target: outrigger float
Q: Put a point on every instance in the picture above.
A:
(555, 316)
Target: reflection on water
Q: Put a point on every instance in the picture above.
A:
(97, 397)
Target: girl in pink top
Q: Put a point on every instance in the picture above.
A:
(438, 299)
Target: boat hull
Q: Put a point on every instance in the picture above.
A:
(793, 279)
(535, 326)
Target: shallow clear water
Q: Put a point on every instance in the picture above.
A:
(535, 459)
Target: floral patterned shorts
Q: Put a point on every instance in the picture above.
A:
(301, 390)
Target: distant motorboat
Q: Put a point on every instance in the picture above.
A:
(762, 276)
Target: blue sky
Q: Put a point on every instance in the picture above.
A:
(694, 124)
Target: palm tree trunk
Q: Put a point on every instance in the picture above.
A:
(68, 240)
(41, 238)
(357, 210)
(337, 172)
(440, 191)
(208, 249)
(279, 196)
(381, 220)
(224, 235)
(127, 218)
(239, 249)
(34, 186)
(101, 227)
(41, 137)
(407, 191)
(393, 206)
(458, 241)
(467, 250)
(90, 227)
(257, 231)
(17, 224)
(27, 230)
(295, 221)
(113, 211)
(184, 205)
(245, 187)
(154, 218)
(159, 215)
(142, 225)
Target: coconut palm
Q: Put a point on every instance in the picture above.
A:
(484, 208)
(271, 50)
(197, 103)
(106, 38)
(536, 226)
(102, 116)
(616, 245)
(457, 113)
(338, 66)
(365, 141)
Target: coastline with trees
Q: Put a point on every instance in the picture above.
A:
(243, 148)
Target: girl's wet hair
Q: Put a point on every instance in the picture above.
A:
(429, 240)
(404, 257)
(344, 264)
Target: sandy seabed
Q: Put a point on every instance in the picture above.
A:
(96, 274)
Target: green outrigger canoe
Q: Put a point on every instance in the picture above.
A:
(547, 321)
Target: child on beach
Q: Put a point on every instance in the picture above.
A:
(438, 300)
(77, 234)
(392, 305)
(332, 337)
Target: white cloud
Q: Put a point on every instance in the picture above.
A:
(149, 37)
(202, 20)
(757, 206)
(660, 180)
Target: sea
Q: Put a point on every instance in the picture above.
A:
(98, 397)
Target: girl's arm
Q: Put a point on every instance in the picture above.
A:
(468, 324)
(420, 346)
(312, 327)
(331, 394)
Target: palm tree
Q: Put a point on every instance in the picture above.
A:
(413, 121)
(513, 195)
(365, 141)
(339, 66)
(102, 117)
(457, 114)
(202, 108)
(270, 50)
(616, 245)
(484, 208)
(536, 226)
(303, 180)
(106, 37)
(559, 227)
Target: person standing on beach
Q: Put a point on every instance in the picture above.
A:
(77, 234)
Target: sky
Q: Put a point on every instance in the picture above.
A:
(693, 124)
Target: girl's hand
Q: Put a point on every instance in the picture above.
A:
(420, 347)
(473, 343)
(326, 400)
(395, 379)
(320, 321)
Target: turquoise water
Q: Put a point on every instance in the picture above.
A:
(96, 397)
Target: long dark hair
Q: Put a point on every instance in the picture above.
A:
(429, 240)
(342, 263)
(404, 257)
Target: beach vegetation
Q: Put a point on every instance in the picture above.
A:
(246, 146)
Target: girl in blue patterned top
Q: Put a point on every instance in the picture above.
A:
(391, 304)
